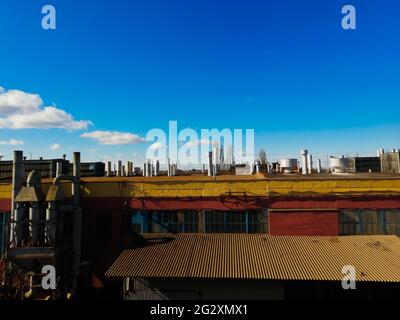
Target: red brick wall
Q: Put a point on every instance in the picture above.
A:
(322, 223)
(5, 204)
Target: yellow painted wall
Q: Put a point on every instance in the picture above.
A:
(192, 187)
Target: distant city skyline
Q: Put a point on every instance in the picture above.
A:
(112, 71)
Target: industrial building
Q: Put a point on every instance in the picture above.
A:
(253, 267)
(83, 224)
(49, 168)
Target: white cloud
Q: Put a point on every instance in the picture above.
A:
(156, 146)
(11, 142)
(17, 101)
(113, 137)
(55, 146)
(22, 110)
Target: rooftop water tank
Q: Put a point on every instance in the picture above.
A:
(288, 165)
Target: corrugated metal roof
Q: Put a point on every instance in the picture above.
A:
(245, 256)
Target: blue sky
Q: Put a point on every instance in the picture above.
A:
(284, 68)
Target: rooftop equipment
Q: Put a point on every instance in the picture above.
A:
(288, 165)
(304, 161)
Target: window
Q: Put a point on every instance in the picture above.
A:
(139, 222)
(170, 221)
(215, 222)
(191, 222)
(257, 222)
(348, 222)
(104, 226)
(235, 222)
(165, 221)
(392, 221)
(369, 222)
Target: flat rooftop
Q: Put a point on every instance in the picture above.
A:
(232, 177)
(255, 177)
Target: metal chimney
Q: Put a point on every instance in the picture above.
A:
(310, 163)
(257, 167)
(149, 168)
(17, 211)
(59, 168)
(109, 168)
(76, 172)
(215, 160)
(128, 168)
(119, 172)
(77, 226)
(304, 162)
(210, 164)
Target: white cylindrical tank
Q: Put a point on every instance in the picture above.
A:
(309, 163)
(251, 168)
(304, 161)
(288, 165)
(215, 160)
(337, 164)
(380, 151)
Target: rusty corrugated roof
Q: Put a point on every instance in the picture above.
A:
(257, 256)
